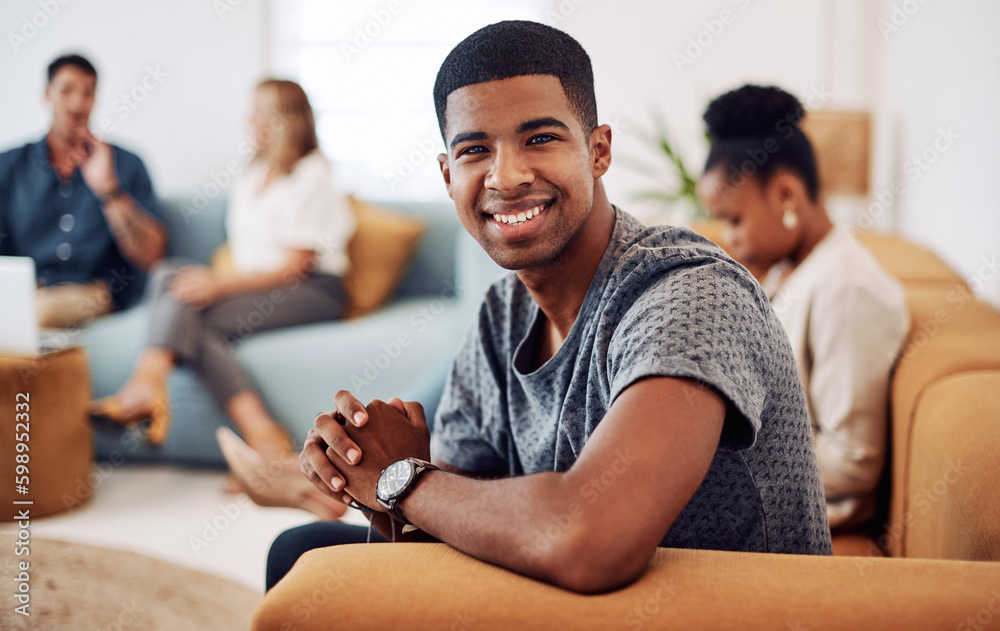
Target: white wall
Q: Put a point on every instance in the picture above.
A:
(673, 57)
(941, 68)
(940, 71)
(193, 119)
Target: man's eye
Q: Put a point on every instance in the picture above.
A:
(475, 149)
(541, 139)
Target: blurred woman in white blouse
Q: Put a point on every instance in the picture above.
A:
(287, 230)
(845, 316)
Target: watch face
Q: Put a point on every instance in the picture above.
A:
(395, 479)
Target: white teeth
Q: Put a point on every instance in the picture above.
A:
(519, 217)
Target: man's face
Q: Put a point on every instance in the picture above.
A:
(71, 93)
(519, 167)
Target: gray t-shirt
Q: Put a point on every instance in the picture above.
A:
(663, 302)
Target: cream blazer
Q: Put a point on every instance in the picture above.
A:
(846, 319)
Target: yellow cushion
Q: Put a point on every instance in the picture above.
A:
(222, 260)
(909, 263)
(418, 586)
(950, 486)
(379, 254)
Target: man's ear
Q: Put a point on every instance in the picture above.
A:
(600, 150)
(445, 171)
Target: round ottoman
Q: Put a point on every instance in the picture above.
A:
(44, 424)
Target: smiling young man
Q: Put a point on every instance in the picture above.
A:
(82, 209)
(625, 388)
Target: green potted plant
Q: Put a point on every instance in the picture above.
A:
(676, 185)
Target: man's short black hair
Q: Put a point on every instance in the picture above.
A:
(514, 49)
(74, 60)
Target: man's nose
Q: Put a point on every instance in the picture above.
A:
(509, 170)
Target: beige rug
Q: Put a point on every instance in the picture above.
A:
(81, 588)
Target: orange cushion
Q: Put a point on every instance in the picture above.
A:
(418, 586)
(380, 251)
(953, 500)
(222, 260)
(910, 263)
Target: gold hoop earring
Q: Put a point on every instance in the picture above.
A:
(789, 218)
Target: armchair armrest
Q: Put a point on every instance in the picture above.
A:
(420, 586)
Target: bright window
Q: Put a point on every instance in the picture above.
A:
(369, 68)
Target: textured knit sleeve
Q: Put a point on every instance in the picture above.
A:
(708, 322)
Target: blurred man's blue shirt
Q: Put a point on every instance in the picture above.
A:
(60, 224)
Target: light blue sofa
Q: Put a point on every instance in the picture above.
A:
(298, 369)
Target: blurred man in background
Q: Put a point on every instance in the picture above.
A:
(84, 210)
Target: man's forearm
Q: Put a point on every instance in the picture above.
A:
(533, 525)
(141, 238)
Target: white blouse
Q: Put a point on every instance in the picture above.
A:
(299, 211)
(846, 319)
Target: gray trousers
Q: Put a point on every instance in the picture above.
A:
(203, 339)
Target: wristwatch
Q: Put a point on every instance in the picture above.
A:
(397, 481)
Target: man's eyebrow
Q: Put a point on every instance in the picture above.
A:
(468, 136)
(541, 122)
(531, 125)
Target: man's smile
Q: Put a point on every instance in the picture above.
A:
(516, 214)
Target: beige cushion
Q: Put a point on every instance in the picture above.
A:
(379, 252)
